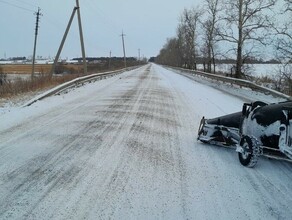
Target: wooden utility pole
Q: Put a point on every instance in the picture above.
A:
(125, 60)
(139, 54)
(38, 14)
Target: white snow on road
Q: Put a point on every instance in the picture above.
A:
(126, 148)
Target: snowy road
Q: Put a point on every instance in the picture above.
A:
(125, 148)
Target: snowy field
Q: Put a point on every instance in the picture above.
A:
(125, 148)
(256, 70)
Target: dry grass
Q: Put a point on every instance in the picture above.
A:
(44, 81)
(39, 68)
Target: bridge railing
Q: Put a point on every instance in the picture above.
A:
(234, 81)
(78, 82)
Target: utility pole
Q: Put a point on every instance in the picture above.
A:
(81, 38)
(125, 61)
(109, 61)
(139, 54)
(63, 41)
(38, 14)
(76, 8)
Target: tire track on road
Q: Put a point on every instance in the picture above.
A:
(43, 170)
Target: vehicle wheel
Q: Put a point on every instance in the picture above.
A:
(250, 151)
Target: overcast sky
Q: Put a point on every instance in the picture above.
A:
(147, 24)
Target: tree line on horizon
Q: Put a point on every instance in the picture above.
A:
(231, 29)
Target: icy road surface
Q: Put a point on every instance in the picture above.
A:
(126, 148)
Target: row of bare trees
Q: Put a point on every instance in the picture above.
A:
(283, 48)
(237, 28)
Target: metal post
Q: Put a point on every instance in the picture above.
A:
(63, 41)
(81, 38)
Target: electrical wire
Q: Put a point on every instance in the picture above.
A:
(111, 26)
(89, 10)
(26, 3)
(60, 27)
(16, 6)
(97, 11)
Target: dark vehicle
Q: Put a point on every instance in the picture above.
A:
(259, 129)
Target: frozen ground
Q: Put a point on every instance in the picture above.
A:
(243, 93)
(256, 70)
(126, 148)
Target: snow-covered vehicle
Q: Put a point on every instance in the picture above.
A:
(259, 129)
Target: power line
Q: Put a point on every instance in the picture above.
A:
(16, 6)
(26, 3)
(110, 26)
(96, 10)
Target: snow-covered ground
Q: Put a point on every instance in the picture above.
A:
(261, 70)
(125, 148)
(243, 93)
(37, 61)
(13, 77)
(256, 70)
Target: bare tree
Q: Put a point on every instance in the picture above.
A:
(170, 53)
(210, 29)
(182, 44)
(282, 81)
(249, 19)
(187, 36)
(284, 33)
(283, 46)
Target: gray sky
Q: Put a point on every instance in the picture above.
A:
(147, 24)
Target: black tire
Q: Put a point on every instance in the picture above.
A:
(250, 154)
